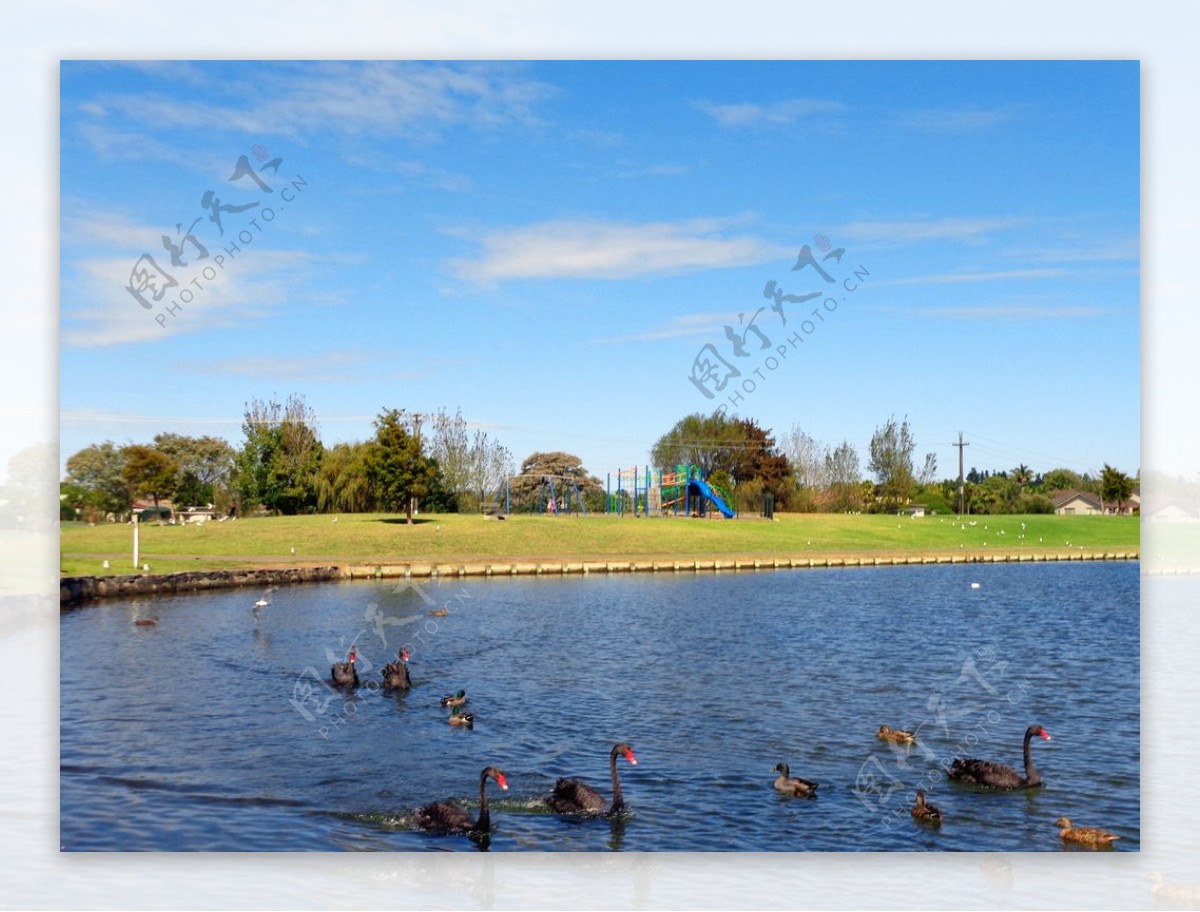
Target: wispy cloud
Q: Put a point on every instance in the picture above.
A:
(955, 120)
(970, 230)
(377, 98)
(954, 278)
(596, 249)
(677, 327)
(99, 312)
(1014, 312)
(768, 114)
(317, 367)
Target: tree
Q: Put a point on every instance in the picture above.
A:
(808, 459)
(1022, 475)
(845, 478)
(529, 487)
(710, 442)
(342, 483)
(149, 473)
(1062, 480)
(398, 472)
(471, 466)
(205, 463)
(1115, 486)
(891, 462)
(491, 463)
(99, 468)
(279, 461)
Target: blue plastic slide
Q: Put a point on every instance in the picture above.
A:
(704, 488)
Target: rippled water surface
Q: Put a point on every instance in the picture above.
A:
(213, 730)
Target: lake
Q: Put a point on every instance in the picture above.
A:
(214, 730)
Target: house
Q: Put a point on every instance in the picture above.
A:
(145, 510)
(1173, 511)
(1076, 503)
(203, 514)
(915, 511)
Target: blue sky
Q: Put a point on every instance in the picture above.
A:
(550, 246)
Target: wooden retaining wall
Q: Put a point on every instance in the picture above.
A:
(82, 588)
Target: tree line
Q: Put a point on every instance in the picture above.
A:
(435, 461)
(805, 475)
(283, 467)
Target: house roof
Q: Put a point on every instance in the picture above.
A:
(1062, 498)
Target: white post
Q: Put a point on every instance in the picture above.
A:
(135, 540)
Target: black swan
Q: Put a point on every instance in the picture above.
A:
(448, 818)
(344, 674)
(792, 785)
(573, 797)
(395, 674)
(1090, 836)
(997, 775)
(925, 813)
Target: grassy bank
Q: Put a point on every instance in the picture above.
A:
(381, 538)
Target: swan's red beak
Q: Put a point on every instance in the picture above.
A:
(502, 782)
(1045, 734)
(404, 654)
(631, 758)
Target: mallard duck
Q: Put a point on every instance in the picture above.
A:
(438, 612)
(895, 735)
(1090, 836)
(925, 813)
(462, 718)
(792, 785)
(146, 622)
(455, 700)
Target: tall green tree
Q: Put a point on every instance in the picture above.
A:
(891, 462)
(205, 464)
(397, 470)
(281, 456)
(99, 468)
(845, 478)
(541, 469)
(1115, 487)
(710, 442)
(149, 473)
(343, 485)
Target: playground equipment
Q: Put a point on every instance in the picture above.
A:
(555, 494)
(650, 492)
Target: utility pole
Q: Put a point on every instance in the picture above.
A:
(961, 496)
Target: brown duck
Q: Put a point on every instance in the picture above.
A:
(1089, 836)
(925, 813)
(895, 735)
(793, 785)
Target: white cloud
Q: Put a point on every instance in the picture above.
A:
(677, 327)
(1015, 312)
(597, 249)
(774, 113)
(371, 98)
(954, 278)
(902, 231)
(960, 120)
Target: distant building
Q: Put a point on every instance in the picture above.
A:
(1173, 511)
(1076, 503)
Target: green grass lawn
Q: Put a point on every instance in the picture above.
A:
(386, 538)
